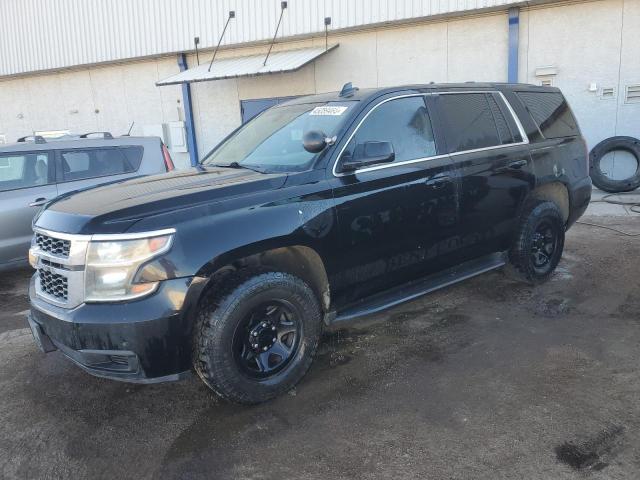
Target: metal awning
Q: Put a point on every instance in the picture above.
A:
(284, 61)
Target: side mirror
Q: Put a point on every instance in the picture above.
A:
(367, 154)
(314, 141)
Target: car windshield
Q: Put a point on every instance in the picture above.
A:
(272, 142)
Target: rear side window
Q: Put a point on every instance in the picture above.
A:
(507, 131)
(470, 122)
(404, 122)
(551, 113)
(24, 170)
(99, 162)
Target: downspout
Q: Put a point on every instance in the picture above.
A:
(192, 144)
(514, 38)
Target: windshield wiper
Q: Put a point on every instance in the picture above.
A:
(235, 165)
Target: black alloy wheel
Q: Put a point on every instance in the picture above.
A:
(538, 243)
(267, 339)
(543, 244)
(256, 334)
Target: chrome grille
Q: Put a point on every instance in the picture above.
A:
(54, 246)
(54, 284)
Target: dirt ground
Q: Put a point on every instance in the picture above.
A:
(488, 379)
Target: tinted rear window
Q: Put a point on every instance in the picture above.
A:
(99, 162)
(551, 113)
(470, 121)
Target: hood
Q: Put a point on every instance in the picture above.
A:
(114, 207)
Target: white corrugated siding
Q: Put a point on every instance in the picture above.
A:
(50, 34)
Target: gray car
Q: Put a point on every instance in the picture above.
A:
(34, 171)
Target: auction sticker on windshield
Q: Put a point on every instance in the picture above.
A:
(328, 110)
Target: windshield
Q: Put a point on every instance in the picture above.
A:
(272, 142)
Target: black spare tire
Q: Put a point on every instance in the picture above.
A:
(604, 182)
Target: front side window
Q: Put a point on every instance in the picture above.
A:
(404, 122)
(272, 141)
(100, 162)
(470, 122)
(23, 170)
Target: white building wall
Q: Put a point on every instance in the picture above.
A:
(570, 37)
(589, 43)
(628, 118)
(51, 34)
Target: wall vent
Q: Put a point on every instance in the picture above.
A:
(632, 94)
(547, 82)
(608, 92)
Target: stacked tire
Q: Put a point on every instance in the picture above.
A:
(602, 181)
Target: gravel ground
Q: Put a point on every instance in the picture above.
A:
(486, 379)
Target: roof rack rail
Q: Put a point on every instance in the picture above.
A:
(105, 135)
(36, 139)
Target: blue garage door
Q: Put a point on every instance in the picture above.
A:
(251, 108)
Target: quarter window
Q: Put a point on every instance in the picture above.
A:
(470, 122)
(100, 162)
(551, 113)
(24, 170)
(404, 122)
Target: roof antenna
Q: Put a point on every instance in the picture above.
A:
(348, 90)
(283, 7)
(232, 14)
(327, 22)
(128, 134)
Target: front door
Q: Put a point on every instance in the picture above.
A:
(26, 183)
(386, 212)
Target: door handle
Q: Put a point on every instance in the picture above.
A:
(517, 164)
(438, 182)
(38, 202)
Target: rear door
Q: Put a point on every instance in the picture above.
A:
(490, 151)
(26, 183)
(80, 168)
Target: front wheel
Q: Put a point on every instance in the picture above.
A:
(539, 242)
(256, 337)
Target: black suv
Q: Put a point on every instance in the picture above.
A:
(321, 209)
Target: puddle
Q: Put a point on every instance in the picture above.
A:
(594, 453)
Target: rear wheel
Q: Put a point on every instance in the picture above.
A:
(256, 337)
(539, 242)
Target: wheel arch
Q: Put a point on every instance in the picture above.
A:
(301, 261)
(556, 192)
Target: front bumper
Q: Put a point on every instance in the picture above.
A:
(143, 341)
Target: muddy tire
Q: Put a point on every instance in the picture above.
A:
(538, 244)
(256, 336)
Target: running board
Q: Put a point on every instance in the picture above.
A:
(412, 290)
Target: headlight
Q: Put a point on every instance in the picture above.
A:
(112, 265)
(33, 258)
